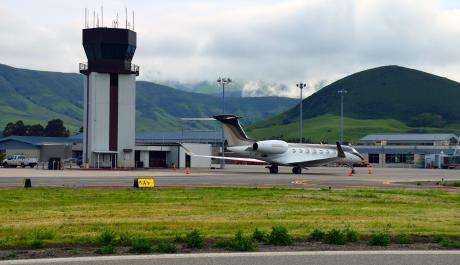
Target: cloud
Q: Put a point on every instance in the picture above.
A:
(270, 42)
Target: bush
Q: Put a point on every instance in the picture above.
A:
(379, 239)
(36, 243)
(457, 245)
(238, 243)
(445, 242)
(166, 248)
(107, 237)
(405, 239)
(280, 236)
(242, 243)
(259, 236)
(105, 250)
(317, 235)
(140, 245)
(194, 239)
(438, 238)
(336, 237)
(43, 235)
(351, 235)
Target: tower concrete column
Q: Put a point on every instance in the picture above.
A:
(109, 97)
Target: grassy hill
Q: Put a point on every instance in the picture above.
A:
(379, 100)
(326, 128)
(38, 96)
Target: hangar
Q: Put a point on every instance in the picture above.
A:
(152, 150)
(405, 150)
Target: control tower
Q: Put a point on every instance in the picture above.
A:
(109, 97)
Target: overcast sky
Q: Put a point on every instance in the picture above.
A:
(279, 42)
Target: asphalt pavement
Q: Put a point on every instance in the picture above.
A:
(267, 258)
(234, 176)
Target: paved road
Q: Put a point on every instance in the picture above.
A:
(253, 176)
(268, 258)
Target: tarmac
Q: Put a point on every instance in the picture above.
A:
(236, 176)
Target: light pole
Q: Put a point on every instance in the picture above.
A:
(223, 81)
(341, 92)
(301, 86)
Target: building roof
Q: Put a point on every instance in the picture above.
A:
(180, 136)
(144, 137)
(41, 140)
(410, 137)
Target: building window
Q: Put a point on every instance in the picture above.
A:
(399, 158)
(374, 158)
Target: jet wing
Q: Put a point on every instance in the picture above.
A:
(233, 158)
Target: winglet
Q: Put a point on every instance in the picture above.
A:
(340, 152)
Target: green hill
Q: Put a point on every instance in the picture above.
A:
(39, 96)
(379, 100)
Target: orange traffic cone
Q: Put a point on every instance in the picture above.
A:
(350, 173)
(369, 170)
(174, 166)
(187, 170)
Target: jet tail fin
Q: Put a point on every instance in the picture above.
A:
(234, 133)
(340, 152)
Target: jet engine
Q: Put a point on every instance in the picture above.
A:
(270, 146)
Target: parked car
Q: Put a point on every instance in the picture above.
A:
(19, 160)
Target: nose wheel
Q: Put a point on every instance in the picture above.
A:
(273, 169)
(296, 170)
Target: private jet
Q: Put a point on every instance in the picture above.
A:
(280, 153)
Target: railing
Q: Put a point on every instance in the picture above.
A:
(135, 68)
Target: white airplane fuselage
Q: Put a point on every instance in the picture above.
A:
(296, 153)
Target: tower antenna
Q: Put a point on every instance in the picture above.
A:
(102, 15)
(94, 18)
(126, 16)
(117, 21)
(85, 17)
(133, 20)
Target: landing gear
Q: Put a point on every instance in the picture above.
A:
(296, 170)
(273, 169)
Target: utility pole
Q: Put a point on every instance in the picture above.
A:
(341, 92)
(223, 81)
(301, 86)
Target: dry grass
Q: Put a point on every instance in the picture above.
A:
(79, 216)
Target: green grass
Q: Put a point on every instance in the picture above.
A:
(64, 216)
(326, 128)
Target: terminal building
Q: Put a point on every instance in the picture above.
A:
(406, 150)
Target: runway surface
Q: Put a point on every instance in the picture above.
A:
(239, 176)
(268, 258)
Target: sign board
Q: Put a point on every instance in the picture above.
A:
(145, 183)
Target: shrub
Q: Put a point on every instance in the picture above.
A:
(336, 237)
(457, 244)
(194, 239)
(107, 237)
(317, 235)
(166, 248)
(105, 250)
(351, 235)
(445, 242)
(140, 245)
(239, 243)
(36, 243)
(438, 238)
(379, 239)
(242, 243)
(259, 236)
(279, 236)
(405, 239)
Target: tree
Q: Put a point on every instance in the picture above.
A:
(35, 130)
(19, 128)
(9, 129)
(55, 128)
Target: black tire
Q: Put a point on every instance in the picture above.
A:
(23, 165)
(5, 165)
(297, 170)
(32, 165)
(274, 169)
